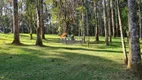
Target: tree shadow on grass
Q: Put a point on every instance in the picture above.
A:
(85, 49)
(64, 47)
(24, 35)
(3, 39)
(62, 66)
(54, 40)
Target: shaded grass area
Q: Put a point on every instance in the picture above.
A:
(57, 61)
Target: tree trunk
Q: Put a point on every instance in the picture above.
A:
(87, 27)
(97, 27)
(83, 31)
(100, 18)
(134, 62)
(31, 32)
(122, 37)
(105, 23)
(39, 25)
(97, 31)
(140, 21)
(116, 19)
(16, 40)
(42, 20)
(109, 20)
(112, 18)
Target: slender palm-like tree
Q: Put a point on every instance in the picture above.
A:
(122, 36)
(105, 23)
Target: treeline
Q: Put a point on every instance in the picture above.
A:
(78, 17)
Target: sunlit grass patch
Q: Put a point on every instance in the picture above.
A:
(58, 61)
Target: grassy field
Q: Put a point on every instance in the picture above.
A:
(57, 61)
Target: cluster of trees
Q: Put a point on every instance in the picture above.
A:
(27, 16)
(109, 18)
(39, 20)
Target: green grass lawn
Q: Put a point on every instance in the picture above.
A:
(57, 61)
